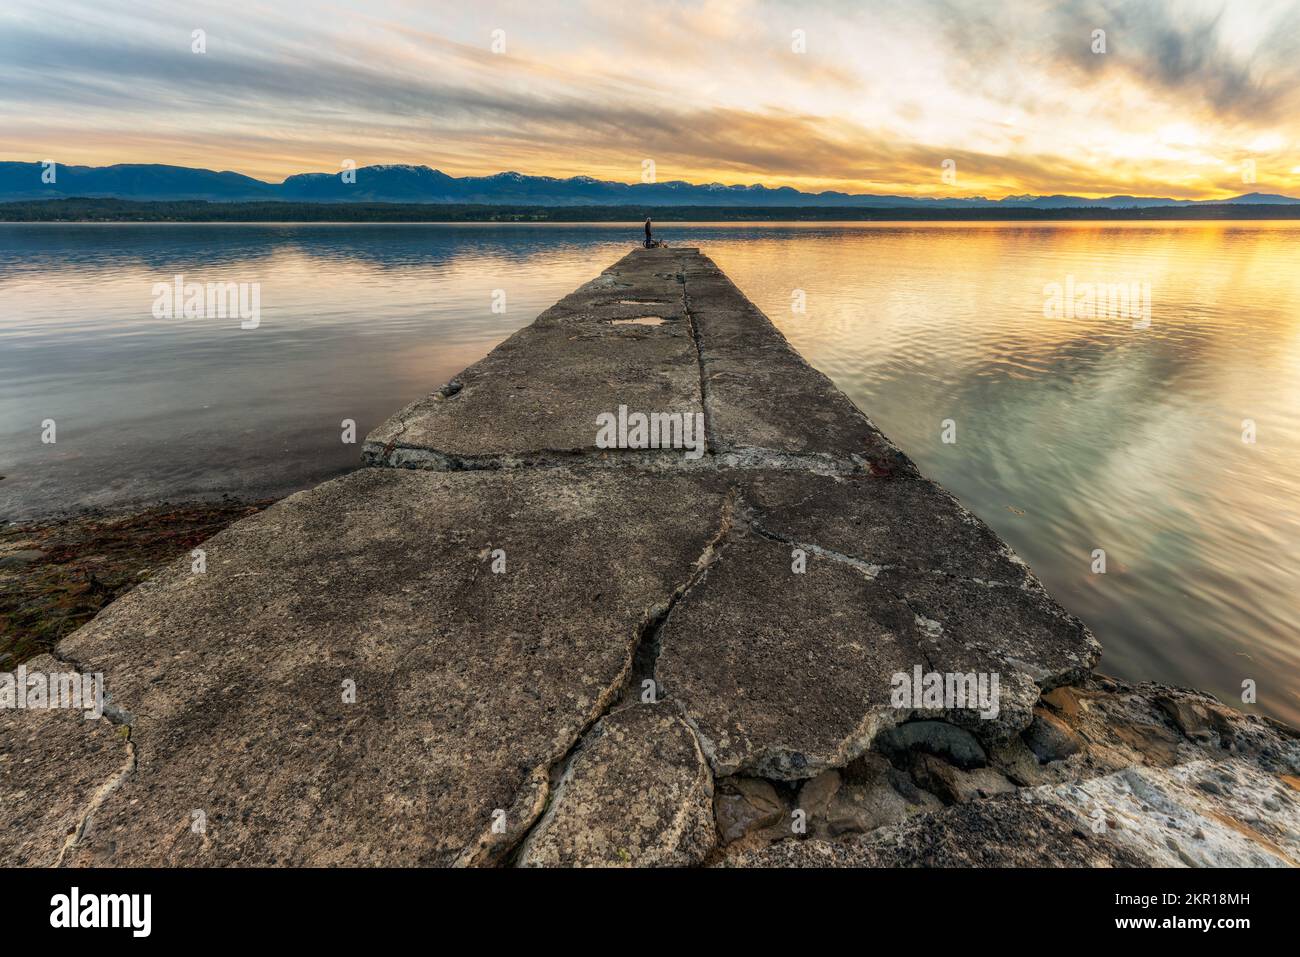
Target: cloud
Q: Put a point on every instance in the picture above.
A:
(1183, 51)
(710, 90)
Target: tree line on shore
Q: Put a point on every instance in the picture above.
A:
(78, 210)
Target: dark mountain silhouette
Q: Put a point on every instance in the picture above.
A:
(129, 181)
(420, 184)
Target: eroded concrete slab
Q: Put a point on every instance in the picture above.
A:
(639, 793)
(469, 685)
(787, 651)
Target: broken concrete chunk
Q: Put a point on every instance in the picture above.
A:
(947, 741)
(744, 806)
(637, 793)
(1050, 738)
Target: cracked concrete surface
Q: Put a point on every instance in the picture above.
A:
(648, 641)
(469, 685)
(638, 794)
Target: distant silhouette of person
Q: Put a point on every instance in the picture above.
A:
(648, 241)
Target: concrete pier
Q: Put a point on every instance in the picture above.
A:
(507, 641)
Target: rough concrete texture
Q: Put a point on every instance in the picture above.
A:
(1005, 831)
(537, 395)
(789, 674)
(1224, 813)
(470, 685)
(638, 793)
(769, 594)
(56, 768)
(784, 675)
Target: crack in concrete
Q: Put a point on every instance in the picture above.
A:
(871, 570)
(118, 718)
(620, 694)
(650, 645)
(709, 443)
(867, 569)
(388, 455)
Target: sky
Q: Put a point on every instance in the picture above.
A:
(1188, 97)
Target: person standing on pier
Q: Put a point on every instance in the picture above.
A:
(647, 233)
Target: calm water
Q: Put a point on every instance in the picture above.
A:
(1072, 434)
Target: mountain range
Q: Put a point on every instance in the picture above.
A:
(420, 184)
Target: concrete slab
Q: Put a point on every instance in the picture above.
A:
(900, 523)
(662, 330)
(469, 685)
(784, 675)
(787, 673)
(638, 793)
(538, 394)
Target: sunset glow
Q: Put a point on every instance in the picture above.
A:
(1184, 94)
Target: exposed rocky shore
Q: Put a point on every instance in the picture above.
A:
(508, 641)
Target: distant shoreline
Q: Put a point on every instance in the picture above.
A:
(201, 211)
